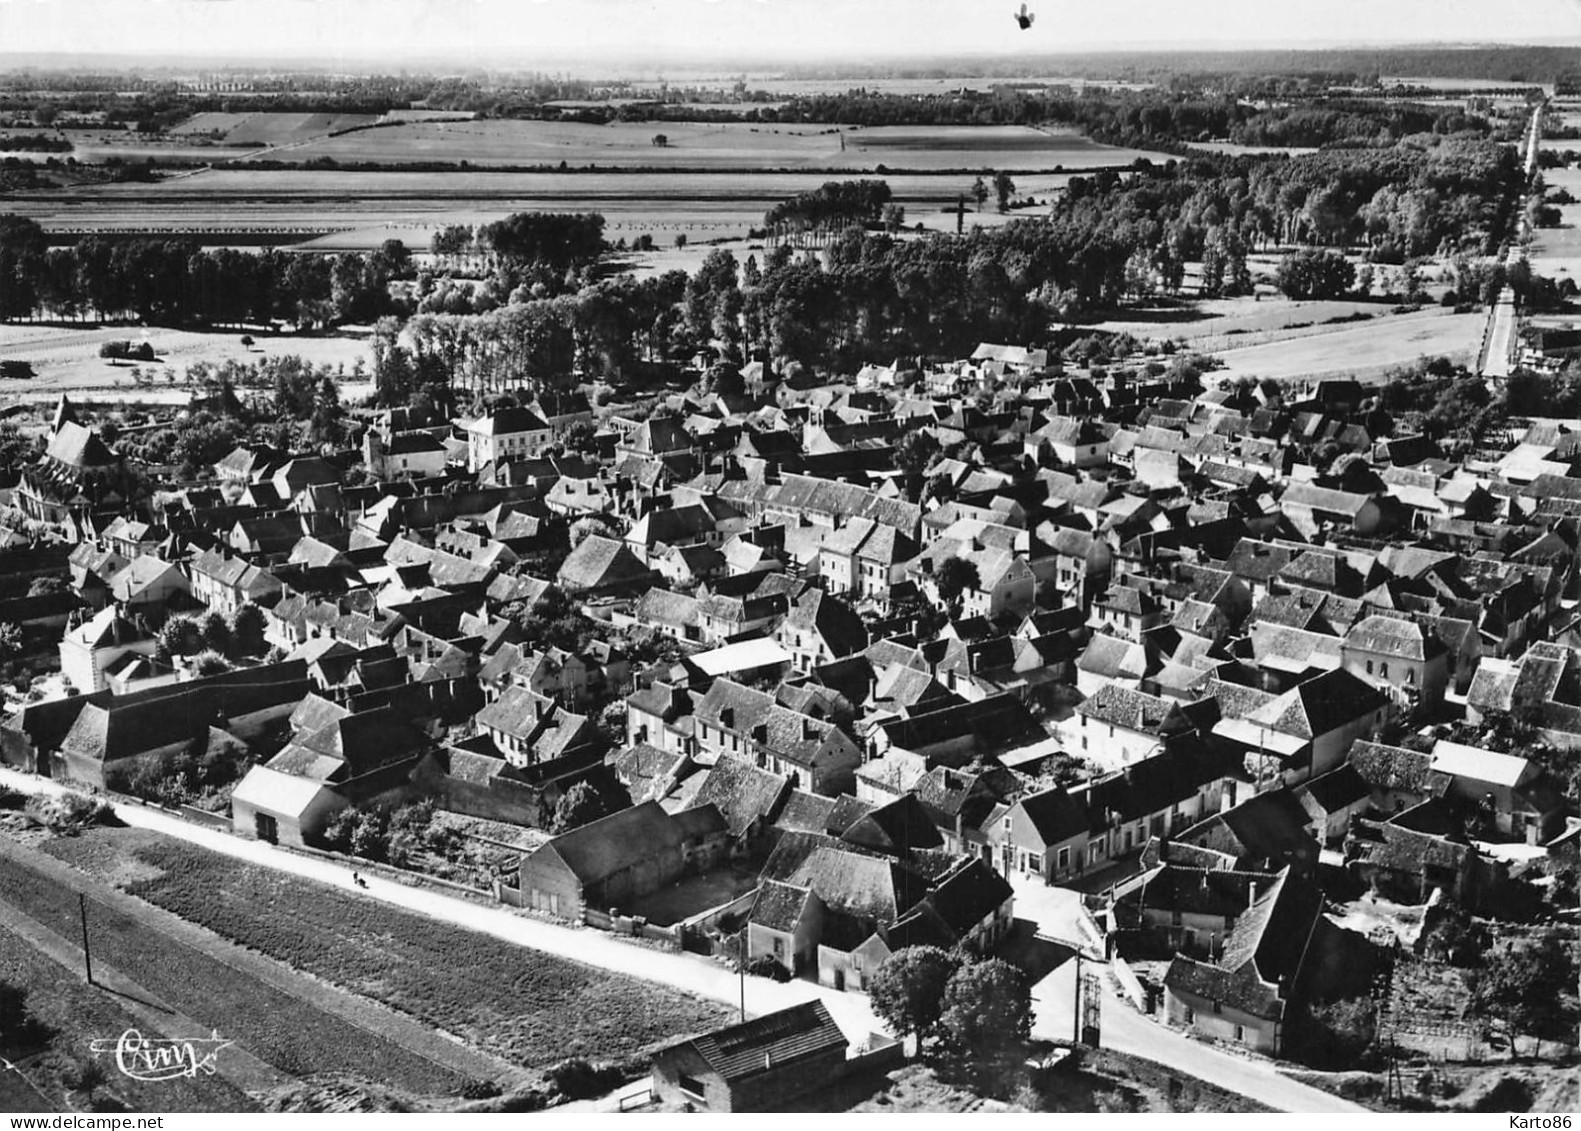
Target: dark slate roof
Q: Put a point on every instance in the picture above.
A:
(770, 1042)
(611, 844)
(778, 906)
(1054, 814)
(898, 827)
(1338, 788)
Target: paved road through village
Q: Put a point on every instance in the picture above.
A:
(1124, 1029)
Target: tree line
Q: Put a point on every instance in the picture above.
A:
(177, 282)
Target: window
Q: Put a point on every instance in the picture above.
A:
(1383, 669)
(1084, 742)
(779, 948)
(1410, 675)
(1191, 1015)
(1218, 1007)
(691, 1085)
(1369, 667)
(1240, 1033)
(1064, 859)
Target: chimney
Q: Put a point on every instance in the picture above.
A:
(727, 718)
(1251, 892)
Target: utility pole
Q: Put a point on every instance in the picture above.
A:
(87, 957)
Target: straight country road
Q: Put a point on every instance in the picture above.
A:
(1123, 1028)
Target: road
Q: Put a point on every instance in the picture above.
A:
(590, 947)
(1123, 1028)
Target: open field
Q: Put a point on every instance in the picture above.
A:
(1556, 252)
(278, 1028)
(528, 1008)
(1366, 349)
(1236, 150)
(358, 210)
(66, 359)
(724, 145)
(78, 1014)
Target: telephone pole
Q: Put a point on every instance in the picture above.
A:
(87, 956)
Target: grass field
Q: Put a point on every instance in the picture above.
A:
(349, 211)
(1366, 349)
(1556, 252)
(66, 359)
(78, 1014)
(529, 1008)
(722, 145)
(276, 1027)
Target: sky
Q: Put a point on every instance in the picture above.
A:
(526, 32)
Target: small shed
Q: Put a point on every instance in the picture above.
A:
(757, 1065)
(282, 808)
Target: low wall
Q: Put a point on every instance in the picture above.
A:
(634, 926)
(202, 817)
(1129, 983)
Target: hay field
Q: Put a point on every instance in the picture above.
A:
(1365, 349)
(727, 145)
(66, 359)
(351, 211)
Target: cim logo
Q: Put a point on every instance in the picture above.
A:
(144, 1058)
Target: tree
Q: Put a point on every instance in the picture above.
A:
(216, 633)
(43, 585)
(1531, 986)
(210, 663)
(578, 806)
(11, 640)
(987, 1007)
(247, 629)
(1004, 189)
(907, 991)
(370, 836)
(955, 576)
(915, 451)
(1315, 274)
(979, 192)
(178, 636)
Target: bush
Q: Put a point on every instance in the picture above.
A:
(766, 966)
(70, 813)
(578, 1079)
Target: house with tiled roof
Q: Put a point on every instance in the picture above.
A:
(1307, 730)
(731, 718)
(1399, 657)
(605, 864)
(225, 582)
(529, 728)
(1120, 726)
(820, 628)
(600, 566)
(1247, 995)
(510, 433)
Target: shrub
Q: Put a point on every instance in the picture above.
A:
(578, 1079)
(766, 966)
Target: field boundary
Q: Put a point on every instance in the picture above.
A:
(371, 1017)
